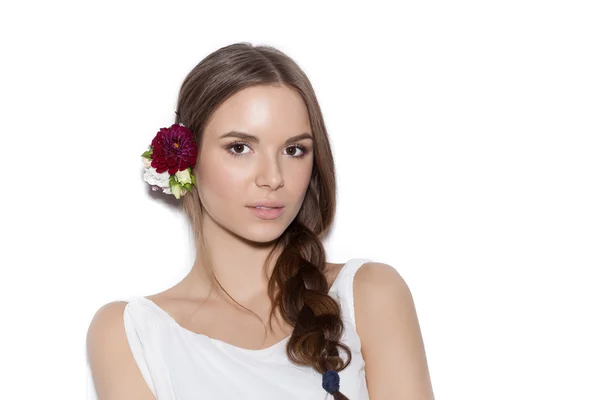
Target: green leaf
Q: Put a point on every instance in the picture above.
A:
(147, 154)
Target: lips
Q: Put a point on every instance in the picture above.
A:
(267, 213)
(267, 204)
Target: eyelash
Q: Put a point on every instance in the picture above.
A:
(231, 145)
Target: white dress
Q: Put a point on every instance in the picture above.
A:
(178, 364)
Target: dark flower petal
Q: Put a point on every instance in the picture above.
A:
(170, 156)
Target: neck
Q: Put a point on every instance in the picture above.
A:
(237, 264)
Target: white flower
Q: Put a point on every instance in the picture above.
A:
(161, 181)
(146, 162)
(156, 179)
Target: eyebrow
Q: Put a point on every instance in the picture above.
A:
(254, 139)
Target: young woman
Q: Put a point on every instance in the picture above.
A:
(261, 314)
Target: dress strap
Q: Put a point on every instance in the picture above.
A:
(343, 286)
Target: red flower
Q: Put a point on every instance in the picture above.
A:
(174, 149)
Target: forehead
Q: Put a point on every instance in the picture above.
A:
(263, 111)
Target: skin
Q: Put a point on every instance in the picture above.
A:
(386, 319)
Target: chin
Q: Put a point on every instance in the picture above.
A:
(263, 234)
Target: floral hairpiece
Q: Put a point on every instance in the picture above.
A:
(170, 159)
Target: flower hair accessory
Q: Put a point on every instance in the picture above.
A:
(170, 159)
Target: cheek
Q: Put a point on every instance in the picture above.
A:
(296, 183)
(215, 181)
(299, 178)
(223, 182)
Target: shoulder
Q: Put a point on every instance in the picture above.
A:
(107, 314)
(379, 289)
(105, 332)
(379, 275)
(390, 335)
(113, 367)
(106, 326)
(378, 285)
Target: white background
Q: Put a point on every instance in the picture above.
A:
(466, 138)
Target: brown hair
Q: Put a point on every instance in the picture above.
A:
(297, 287)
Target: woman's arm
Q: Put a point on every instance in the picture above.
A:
(392, 345)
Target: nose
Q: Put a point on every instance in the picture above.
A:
(269, 173)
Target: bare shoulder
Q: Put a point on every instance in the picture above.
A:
(379, 289)
(113, 367)
(379, 275)
(391, 340)
(106, 328)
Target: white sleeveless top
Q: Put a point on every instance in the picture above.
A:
(178, 364)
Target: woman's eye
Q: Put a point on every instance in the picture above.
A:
(295, 151)
(238, 147)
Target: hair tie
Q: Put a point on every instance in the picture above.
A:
(331, 381)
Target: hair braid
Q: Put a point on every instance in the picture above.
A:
(304, 303)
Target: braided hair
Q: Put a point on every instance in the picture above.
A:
(304, 303)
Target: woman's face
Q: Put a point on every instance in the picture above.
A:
(236, 172)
